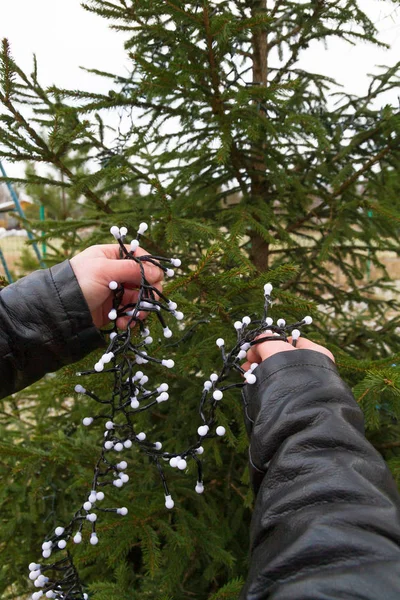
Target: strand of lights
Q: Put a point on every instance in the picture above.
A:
(131, 395)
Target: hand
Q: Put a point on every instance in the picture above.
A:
(96, 266)
(260, 352)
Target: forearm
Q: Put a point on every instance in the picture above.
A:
(326, 516)
(45, 323)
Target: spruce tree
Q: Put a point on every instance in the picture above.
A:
(246, 169)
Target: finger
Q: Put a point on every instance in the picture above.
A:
(253, 354)
(305, 344)
(130, 297)
(128, 271)
(112, 251)
(246, 366)
(264, 350)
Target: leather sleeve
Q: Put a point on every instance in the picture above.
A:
(45, 323)
(326, 522)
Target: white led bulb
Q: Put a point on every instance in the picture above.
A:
(169, 503)
(203, 430)
(168, 363)
(199, 487)
(143, 227)
(250, 378)
(268, 289)
(78, 538)
(115, 232)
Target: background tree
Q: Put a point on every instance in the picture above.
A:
(246, 169)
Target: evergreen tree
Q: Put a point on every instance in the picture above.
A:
(246, 170)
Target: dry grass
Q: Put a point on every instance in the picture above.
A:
(13, 247)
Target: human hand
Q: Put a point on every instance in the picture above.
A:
(260, 352)
(96, 266)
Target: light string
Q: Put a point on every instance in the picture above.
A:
(132, 395)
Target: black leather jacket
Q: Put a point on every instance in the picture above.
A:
(45, 324)
(326, 523)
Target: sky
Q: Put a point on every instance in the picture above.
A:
(65, 37)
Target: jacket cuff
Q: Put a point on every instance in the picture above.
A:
(269, 369)
(279, 379)
(80, 335)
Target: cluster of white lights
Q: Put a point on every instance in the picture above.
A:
(135, 391)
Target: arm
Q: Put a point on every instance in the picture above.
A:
(45, 323)
(51, 318)
(326, 523)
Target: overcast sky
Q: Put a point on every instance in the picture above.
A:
(64, 37)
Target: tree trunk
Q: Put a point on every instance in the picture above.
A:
(259, 248)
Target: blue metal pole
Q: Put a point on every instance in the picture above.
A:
(21, 213)
(3, 262)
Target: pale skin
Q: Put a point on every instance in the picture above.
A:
(260, 352)
(96, 266)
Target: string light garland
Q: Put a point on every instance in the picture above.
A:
(131, 395)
